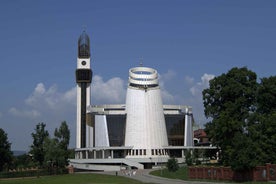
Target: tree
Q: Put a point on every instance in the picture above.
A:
(266, 118)
(5, 150)
(57, 152)
(245, 154)
(230, 102)
(63, 135)
(39, 138)
(267, 95)
(268, 138)
(55, 156)
(23, 161)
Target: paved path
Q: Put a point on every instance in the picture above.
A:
(145, 177)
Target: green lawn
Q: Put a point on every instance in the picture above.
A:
(71, 179)
(182, 173)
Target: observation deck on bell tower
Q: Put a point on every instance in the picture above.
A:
(84, 46)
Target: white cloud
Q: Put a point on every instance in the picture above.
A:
(197, 89)
(169, 75)
(51, 98)
(70, 96)
(167, 97)
(111, 91)
(206, 78)
(40, 89)
(32, 114)
(51, 102)
(189, 80)
(165, 78)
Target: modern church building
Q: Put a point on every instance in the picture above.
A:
(141, 133)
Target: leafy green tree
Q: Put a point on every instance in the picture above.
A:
(57, 152)
(63, 135)
(5, 150)
(243, 118)
(71, 153)
(172, 165)
(54, 155)
(245, 153)
(268, 138)
(233, 93)
(267, 95)
(230, 102)
(23, 161)
(39, 138)
(266, 119)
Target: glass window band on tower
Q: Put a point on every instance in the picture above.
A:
(84, 46)
(83, 75)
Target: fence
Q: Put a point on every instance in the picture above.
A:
(260, 173)
(33, 173)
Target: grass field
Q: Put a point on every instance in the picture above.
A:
(72, 179)
(182, 173)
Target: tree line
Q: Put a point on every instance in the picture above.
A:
(242, 118)
(45, 151)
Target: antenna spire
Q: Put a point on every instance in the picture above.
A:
(141, 61)
(84, 28)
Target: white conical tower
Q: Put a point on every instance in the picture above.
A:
(145, 123)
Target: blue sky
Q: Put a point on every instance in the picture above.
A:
(188, 42)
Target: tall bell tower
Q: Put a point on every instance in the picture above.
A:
(83, 80)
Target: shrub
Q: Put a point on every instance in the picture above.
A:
(172, 165)
(188, 158)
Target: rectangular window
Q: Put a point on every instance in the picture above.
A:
(116, 129)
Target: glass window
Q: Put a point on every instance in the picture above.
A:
(175, 129)
(116, 129)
